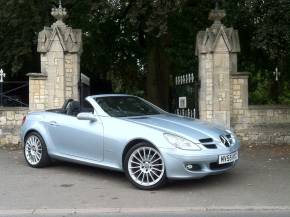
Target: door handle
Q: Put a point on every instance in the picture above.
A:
(53, 123)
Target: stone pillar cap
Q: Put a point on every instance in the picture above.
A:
(217, 15)
(59, 14)
(37, 76)
(241, 74)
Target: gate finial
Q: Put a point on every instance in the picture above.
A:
(59, 14)
(217, 14)
(217, 4)
(2, 76)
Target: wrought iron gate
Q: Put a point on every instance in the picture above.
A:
(186, 95)
(14, 93)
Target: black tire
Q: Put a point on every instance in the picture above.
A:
(162, 178)
(44, 159)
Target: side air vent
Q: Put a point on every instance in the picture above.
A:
(207, 140)
(210, 146)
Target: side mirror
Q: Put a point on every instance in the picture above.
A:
(87, 116)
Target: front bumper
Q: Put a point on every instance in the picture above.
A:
(204, 162)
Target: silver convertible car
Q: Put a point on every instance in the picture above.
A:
(127, 133)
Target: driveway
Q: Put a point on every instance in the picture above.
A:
(260, 182)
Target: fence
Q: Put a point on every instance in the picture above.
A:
(14, 94)
(186, 95)
(191, 113)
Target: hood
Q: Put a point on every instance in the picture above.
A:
(189, 128)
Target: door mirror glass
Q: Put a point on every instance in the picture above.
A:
(86, 116)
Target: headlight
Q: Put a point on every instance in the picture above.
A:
(181, 143)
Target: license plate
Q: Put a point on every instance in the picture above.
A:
(228, 158)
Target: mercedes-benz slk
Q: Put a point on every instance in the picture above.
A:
(129, 134)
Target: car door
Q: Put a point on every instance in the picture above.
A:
(78, 138)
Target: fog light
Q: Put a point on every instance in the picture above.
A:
(189, 166)
(192, 167)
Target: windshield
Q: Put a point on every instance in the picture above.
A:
(125, 106)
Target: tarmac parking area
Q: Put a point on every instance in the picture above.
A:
(260, 181)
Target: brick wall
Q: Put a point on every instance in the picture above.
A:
(10, 122)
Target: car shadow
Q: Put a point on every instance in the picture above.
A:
(86, 170)
(214, 181)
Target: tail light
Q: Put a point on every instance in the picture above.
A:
(23, 120)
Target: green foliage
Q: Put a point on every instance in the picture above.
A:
(134, 41)
(265, 42)
(284, 98)
(183, 28)
(261, 94)
(19, 24)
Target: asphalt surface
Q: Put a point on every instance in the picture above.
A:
(171, 214)
(259, 186)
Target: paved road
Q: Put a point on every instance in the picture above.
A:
(216, 213)
(261, 180)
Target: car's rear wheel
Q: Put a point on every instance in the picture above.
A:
(35, 151)
(144, 167)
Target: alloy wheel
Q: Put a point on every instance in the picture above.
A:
(33, 150)
(146, 166)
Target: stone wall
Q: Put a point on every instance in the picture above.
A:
(38, 93)
(257, 124)
(223, 94)
(217, 49)
(10, 122)
(60, 48)
(263, 125)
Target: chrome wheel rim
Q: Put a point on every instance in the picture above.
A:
(146, 166)
(33, 150)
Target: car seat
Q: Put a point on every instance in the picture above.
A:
(73, 108)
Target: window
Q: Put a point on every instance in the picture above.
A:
(124, 106)
(87, 107)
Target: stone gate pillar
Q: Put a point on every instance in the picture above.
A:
(60, 48)
(217, 49)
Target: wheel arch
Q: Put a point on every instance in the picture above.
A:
(31, 131)
(38, 132)
(131, 144)
(43, 158)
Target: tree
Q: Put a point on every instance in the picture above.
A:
(265, 42)
(148, 23)
(140, 45)
(19, 24)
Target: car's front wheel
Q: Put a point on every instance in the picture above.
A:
(35, 151)
(144, 167)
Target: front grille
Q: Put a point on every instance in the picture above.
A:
(226, 140)
(216, 166)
